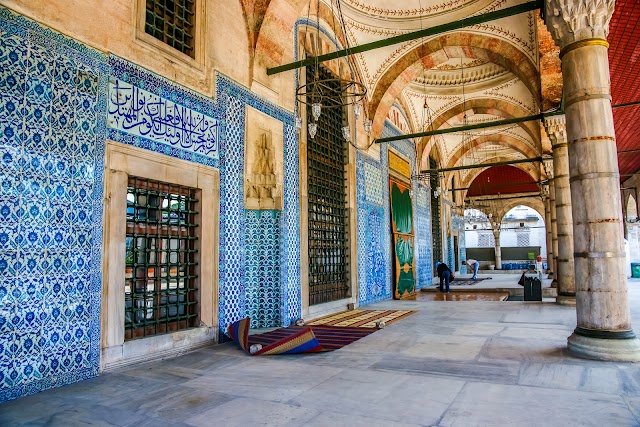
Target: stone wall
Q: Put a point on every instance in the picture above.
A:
(113, 26)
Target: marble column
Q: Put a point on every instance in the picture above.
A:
(547, 225)
(548, 165)
(565, 273)
(603, 329)
(498, 251)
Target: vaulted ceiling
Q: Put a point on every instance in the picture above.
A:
(504, 68)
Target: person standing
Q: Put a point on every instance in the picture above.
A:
(472, 263)
(445, 274)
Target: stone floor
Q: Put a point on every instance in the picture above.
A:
(467, 363)
(462, 295)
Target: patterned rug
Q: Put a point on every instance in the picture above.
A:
(329, 337)
(362, 318)
(460, 281)
(294, 339)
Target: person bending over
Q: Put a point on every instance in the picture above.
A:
(472, 263)
(445, 274)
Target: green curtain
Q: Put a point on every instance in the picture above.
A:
(401, 209)
(404, 252)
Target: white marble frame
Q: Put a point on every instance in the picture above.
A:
(257, 123)
(122, 161)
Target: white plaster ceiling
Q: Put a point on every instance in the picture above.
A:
(368, 21)
(458, 75)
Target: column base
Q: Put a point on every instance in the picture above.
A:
(566, 300)
(610, 348)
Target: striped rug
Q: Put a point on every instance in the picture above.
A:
(361, 318)
(330, 338)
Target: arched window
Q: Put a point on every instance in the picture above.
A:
(632, 210)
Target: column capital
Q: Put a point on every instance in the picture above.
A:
(556, 128)
(545, 191)
(548, 167)
(571, 21)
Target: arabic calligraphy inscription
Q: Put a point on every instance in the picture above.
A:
(138, 112)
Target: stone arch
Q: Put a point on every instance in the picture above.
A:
(466, 182)
(274, 42)
(438, 50)
(495, 107)
(534, 203)
(531, 202)
(402, 101)
(526, 167)
(506, 140)
(631, 208)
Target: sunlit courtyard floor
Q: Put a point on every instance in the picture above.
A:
(459, 363)
(462, 296)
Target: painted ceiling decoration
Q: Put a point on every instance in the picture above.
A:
(502, 69)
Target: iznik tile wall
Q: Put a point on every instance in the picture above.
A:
(242, 277)
(374, 232)
(263, 293)
(234, 282)
(52, 138)
(53, 123)
(450, 255)
(463, 250)
(374, 223)
(269, 294)
(424, 246)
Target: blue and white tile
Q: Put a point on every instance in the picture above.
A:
(9, 263)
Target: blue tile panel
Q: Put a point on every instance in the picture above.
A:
(238, 263)
(141, 78)
(52, 139)
(373, 183)
(374, 223)
(234, 259)
(463, 250)
(424, 269)
(262, 273)
(374, 232)
(450, 256)
(144, 114)
(53, 123)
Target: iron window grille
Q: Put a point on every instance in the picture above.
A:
(160, 268)
(328, 220)
(436, 229)
(172, 22)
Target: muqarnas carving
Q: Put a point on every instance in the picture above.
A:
(263, 162)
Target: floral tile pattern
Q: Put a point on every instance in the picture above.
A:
(374, 262)
(263, 291)
(238, 263)
(52, 136)
(424, 254)
(53, 123)
(234, 301)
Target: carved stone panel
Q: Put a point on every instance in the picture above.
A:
(263, 161)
